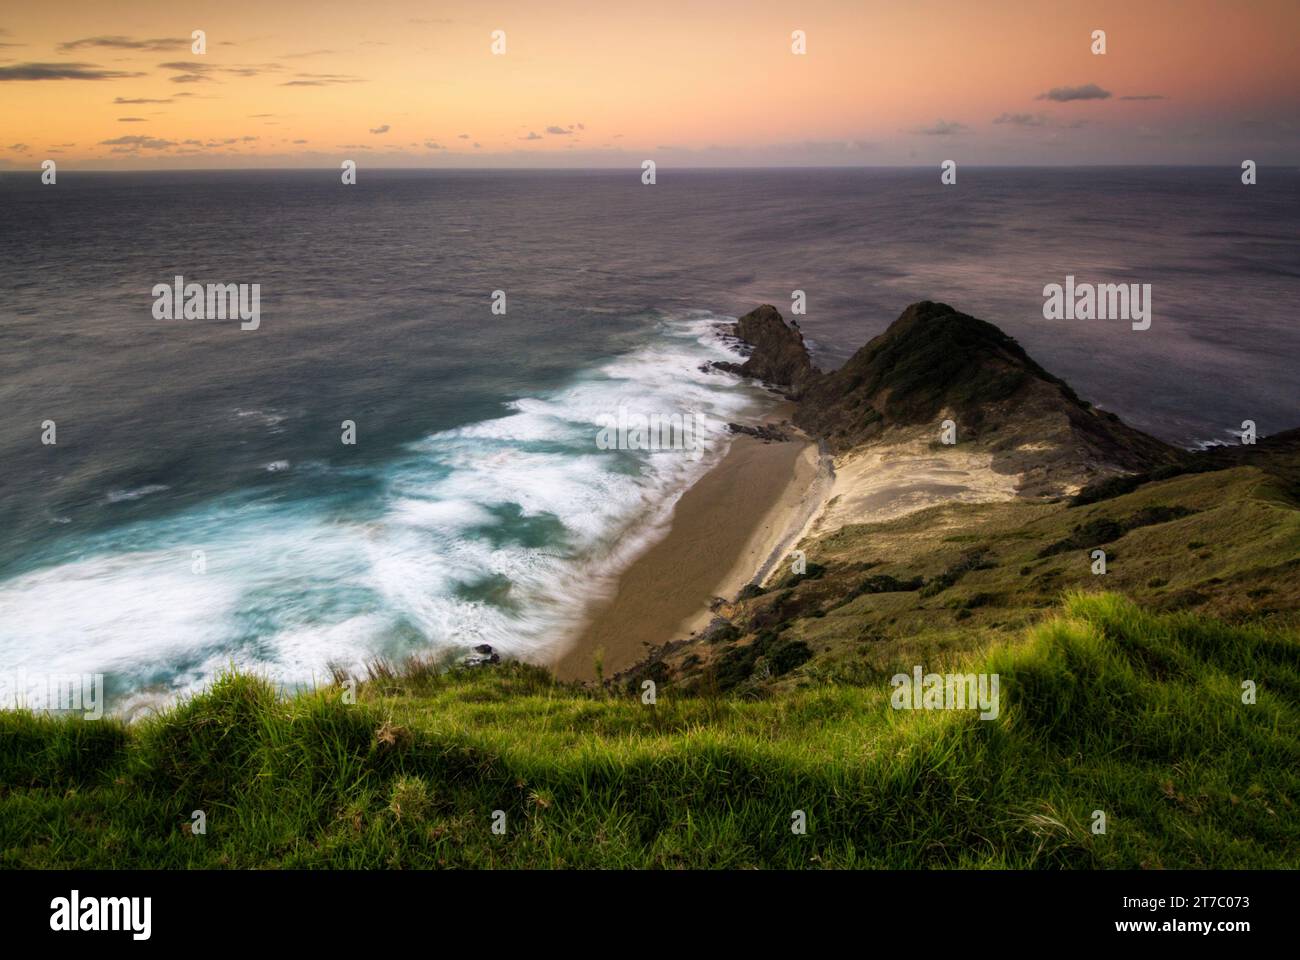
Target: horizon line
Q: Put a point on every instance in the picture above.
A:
(636, 168)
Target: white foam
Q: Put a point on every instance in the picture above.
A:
(291, 587)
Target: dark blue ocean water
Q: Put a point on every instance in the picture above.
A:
(474, 506)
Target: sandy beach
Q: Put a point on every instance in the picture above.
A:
(725, 529)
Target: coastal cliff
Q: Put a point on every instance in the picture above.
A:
(935, 363)
(925, 546)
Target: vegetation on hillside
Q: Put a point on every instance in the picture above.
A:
(1103, 707)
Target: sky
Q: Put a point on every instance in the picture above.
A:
(116, 84)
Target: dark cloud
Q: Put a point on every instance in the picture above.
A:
(125, 100)
(558, 131)
(139, 143)
(161, 45)
(532, 135)
(191, 71)
(1089, 91)
(383, 128)
(62, 71)
(131, 120)
(1022, 119)
(429, 144)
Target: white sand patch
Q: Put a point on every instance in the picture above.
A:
(891, 479)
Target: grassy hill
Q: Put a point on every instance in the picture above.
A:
(1104, 707)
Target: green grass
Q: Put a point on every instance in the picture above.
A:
(1103, 706)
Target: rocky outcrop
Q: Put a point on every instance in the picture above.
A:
(778, 356)
(935, 363)
(763, 431)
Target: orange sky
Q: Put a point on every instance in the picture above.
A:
(702, 83)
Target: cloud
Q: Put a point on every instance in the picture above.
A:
(1146, 96)
(942, 128)
(429, 144)
(300, 141)
(62, 71)
(582, 126)
(1089, 91)
(320, 79)
(558, 131)
(19, 147)
(307, 53)
(160, 45)
(532, 135)
(1022, 119)
(137, 143)
(380, 129)
(124, 100)
(478, 146)
(462, 136)
(131, 120)
(190, 71)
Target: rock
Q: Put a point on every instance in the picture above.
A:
(764, 431)
(777, 352)
(486, 656)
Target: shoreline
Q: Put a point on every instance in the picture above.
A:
(727, 529)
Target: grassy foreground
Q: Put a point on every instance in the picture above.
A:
(1103, 707)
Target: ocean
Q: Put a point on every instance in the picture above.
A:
(198, 508)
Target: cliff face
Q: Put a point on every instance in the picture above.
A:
(935, 363)
(779, 356)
